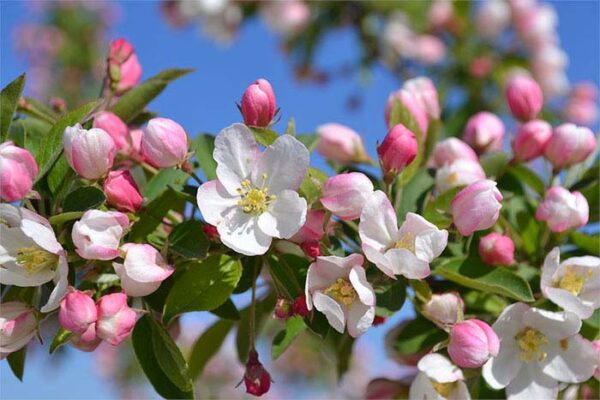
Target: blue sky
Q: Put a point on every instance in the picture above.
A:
(205, 102)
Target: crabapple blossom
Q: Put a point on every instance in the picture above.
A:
(568, 145)
(472, 343)
(484, 132)
(256, 378)
(461, 172)
(397, 151)
(142, 270)
(429, 49)
(407, 250)
(531, 140)
(286, 17)
(438, 379)
(563, 210)
(495, 248)
(538, 349)
(258, 104)
(449, 150)
(18, 325)
(86, 341)
(476, 207)
(340, 143)
(312, 230)
(115, 127)
(18, 170)
(443, 309)
(254, 197)
(338, 287)
(115, 319)
(524, 97)
(77, 311)
(414, 106)
(124, 68)
(90, 153)
(122, 192)
(493, 16)
(30, 255)
(97, 235)
(573, 284)
(425, 93)
(164, 143)
(345, 194)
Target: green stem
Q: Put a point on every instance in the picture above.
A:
(398, 197)
(64, 217)
(149, 168)
(252, 319)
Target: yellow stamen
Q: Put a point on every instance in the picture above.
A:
(444, 389)
(254, 200)
(35, 259)
(530, 342)
(572, 281)
(564, 344)
(452, 178)
(342, 291)
(407, 241)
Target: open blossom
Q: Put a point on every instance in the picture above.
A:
(476, 207)
(572, 284)
(461, 172)
(258, 104)
(495, 248)
(143, 269)
(30, 255)
(338, 287)
(484, 132)
(449, 150)
(90, 153)
(254, 198)
(413, 104)
(563, 210)
(340, 143)
(97, 234)
(425, 93)
(405, 251)
(568, 145)
(77, 311)
(115, 319)
(438, 379)
(531, 140)
(524, 97)
(345, 194)
(164, 143)
(18, 170)
(122, 192)
(472, 343)
(444, 309)
(538, 349)
(18, 326)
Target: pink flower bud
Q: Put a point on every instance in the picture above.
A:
(18, 326)
(312, 230)
(484, 132)
(125, 70)
(568, 145)
(398, 149)
(429, 49)
(582, 112)
(18, 170)
(211, 232)
(495, 249)
(563, 210)
(283, 309)
(476, 207)
(414, 106)
(300, 307)
(443, 309)
(89, 152)
(425, 93)
(345, 194)
(122, 192)
(116, 128)
(472, 343)
(115, 319)
(459, 173)
(143, 269)
(77, 311)
(87, 341)
(258, 104)
(531, 140)
(164, 143)
(97, 235)
(341, 144)
(449, 150)
(524, 97)
(257, 379)
(311, 249)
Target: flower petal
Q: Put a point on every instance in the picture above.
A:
(378, 225)
(358, 278)
(439, 368)
(511, 321)
(241, 233)
(61, 282)
(569, 302)
(42, 235)
(236, 153)
(404, 262)
(555, 325)
(530, 383)
(215, 202)
(285, 217)
(499, 371)
(422, 389)
(572, 361)
(360, 318)
(332, 310)
(550, 267)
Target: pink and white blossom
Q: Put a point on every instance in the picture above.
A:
(495, 248)
(569, 144)
(340, 143)
(77, 311)
(444, 309)
(122, 192)
(115, 319)
(90, 153)
(563, 210)
(524, 97)
(142, 270)
(413, 104)
(476, 207)
(531, 140)
(18, 170)
(97, 235)
(472, 343)
(345, 194)
(164, 143)
(124, 68)
(115, 127)
(449, 150)
(484, 132)
(438, 379)
(461, 172)
(425, 93)
(18, 326)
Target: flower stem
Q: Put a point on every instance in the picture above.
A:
(252, 319)
(196, 177)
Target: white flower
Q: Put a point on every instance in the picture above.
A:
(338, 287)
(254, 197)
(438, 379)
(30, 255)
(538, 349)
(573, 284)
(406, 251)
(97, 234)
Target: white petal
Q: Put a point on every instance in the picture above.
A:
(499, 371)
(555, 325)
(422, 389)
(550, 267)
(573, 361)
(430, 244)
(530, 384)
(285, 217)
(461, 392)
(133, 287)
(379, 259)
(406, 263)
(332, 310)
(439, 368)
(61, 282)
(215, 202)
(42, 235)
(241, 233)
(236, 153)
(358, 278)
(360, 318)
(510, 322)
(569, 302)
(284, 163)
(378, 225)
(324, 272)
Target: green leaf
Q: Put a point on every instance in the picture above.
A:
(438, 211)
(591, 326)
(204, 286)
(134, 101)
(83, 199)
(311, 141)
(402, 115)
(310, 188)
(588, 243)
(390, 297)
(227, 310)
(16, 361)
(154, 214)
(416, 336)
(494, 164)
(487, 302)
(188, 240)
(414, 192)
(475, 274)
(165, 178)
(207, 345)
(204, 146)
(293, 327)
(37, 109)
(161, 360)
(528, 177)
(434, 130)
(51, 147)
(9, 97)
(284, 276)
(265, 136)
(61, 337)
(60, 174)
(421, 289)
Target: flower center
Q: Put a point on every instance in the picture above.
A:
(35, 259)
(444, 389)
(254, 200)
(572, 281)
(452, 178)
(407, 241)
(530, 342)
(342, 291)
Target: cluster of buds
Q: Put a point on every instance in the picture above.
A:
(285, 309)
